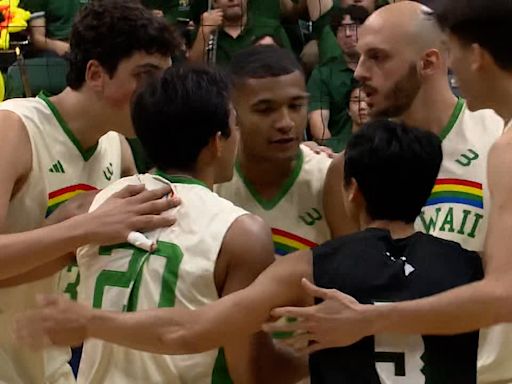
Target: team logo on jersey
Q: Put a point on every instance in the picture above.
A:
(311, 217)
(108, 172)
(465, 159)
(57, 168)
(60, 196)
(286, 242)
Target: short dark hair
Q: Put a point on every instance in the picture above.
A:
(177, 114)
(261, 62)
(484, 22)
(110, 31)
(357, 13)
(395, 168)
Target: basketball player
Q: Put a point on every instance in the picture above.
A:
(276, 177)
(55, 148)
(409, 80)
(385, 261)
(197, 261)
(483, 64)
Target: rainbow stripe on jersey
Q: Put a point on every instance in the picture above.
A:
(60, 196)
(286, 242)
(457, 191)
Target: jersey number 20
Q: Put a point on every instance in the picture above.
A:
(131, 279)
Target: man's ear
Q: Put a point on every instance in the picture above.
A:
(95, 75)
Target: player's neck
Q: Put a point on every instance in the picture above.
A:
(82, 116)
(432, 109)
(266, 176)
(397, 229)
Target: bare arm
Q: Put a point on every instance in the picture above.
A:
(210, 21)
(319, 124)
(317, 8)
(40, 41)
(340, 223)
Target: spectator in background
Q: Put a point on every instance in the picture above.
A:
(50, 24)
(331, 82)
(357, 108)
(172, 10)
(235, 29)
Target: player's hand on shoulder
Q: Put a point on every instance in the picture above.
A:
(319, 149)
(131, 209)
(56, 321)
(337, 321)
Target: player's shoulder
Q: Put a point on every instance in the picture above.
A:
(314, 164)
(485, 120)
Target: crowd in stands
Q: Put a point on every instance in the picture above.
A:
(322, 33)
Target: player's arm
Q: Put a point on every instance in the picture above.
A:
(340, 320)
(128, 167)
(22, 252)
(338, 220)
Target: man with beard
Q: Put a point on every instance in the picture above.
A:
(403, 72)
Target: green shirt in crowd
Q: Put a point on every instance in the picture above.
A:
(330, 84)
(59, 15)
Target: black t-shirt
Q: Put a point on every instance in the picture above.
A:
(375, 269)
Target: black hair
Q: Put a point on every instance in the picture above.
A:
(263, 61)
(395, 168)
(175, 116)
(110, 31)
(262, 36)
(484, 22)
(357, 13)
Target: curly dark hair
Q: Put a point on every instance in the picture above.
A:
(110, 31)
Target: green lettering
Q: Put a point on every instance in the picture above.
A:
(448, 221)
(430, 224)
(466, 213)
(478, 217)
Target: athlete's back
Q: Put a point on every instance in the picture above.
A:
(376, 269)
(180, 273)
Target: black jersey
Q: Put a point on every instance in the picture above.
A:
(375, 269)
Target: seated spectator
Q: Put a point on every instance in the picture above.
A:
(51, 22)
(235, 29)
(331, 82)
(172, 10)
(357, 108)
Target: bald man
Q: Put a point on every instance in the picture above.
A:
(403, 70)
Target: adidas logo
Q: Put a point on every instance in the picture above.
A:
(57, 168)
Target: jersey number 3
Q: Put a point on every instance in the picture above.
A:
(165, 260)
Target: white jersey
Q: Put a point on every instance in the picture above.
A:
(180, 273)
(296, 214)
(60, 170)
(458, 210)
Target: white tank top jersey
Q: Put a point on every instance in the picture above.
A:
(458, 210)
(180, 273)
(61, 168)
(296, 214)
